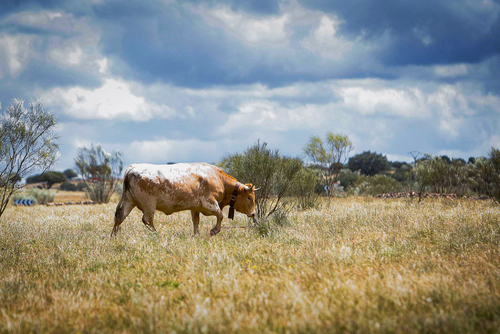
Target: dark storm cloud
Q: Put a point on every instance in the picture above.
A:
(424, 32)
(172, 44)
(262, 7)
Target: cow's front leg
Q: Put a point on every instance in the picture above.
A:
(217, 227)
(195, 216)
(212, 208)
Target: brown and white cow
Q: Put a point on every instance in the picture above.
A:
(199, 187)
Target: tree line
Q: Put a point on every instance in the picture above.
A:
(28, 144)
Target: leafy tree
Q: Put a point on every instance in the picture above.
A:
(331, 154)
(70, 173)
(267, 170)
(49, 177)
(368, 163)
(446, 159)
(100, 171)
(26, 144)
(33, 179)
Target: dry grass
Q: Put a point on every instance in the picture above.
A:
(62, 196)
(360, 265)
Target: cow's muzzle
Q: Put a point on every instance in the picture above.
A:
(252, 215)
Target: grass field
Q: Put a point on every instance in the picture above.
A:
(356, 265)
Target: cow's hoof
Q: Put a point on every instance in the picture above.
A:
(213, 232)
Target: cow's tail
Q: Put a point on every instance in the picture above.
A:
(126, 182)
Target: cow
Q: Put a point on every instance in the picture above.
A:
(198, 187)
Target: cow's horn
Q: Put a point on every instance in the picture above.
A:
(257, 188)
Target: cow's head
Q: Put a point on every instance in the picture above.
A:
(245, 200)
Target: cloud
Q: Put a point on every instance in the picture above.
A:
(452, 107)
(15, 52)
(266, 115)
(451, 71)
(166, 150)
(422, 32)
(325, 40)
(113, 100)
(408, 102)
(269, 29)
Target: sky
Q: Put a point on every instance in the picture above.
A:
(193, 81)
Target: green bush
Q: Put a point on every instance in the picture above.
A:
(81, 186)
(267, 170)
(67, 186)
(347, 178)
(437, 175)
(304, 188)
(378, 184)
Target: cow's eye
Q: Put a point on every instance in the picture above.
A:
(250, 197)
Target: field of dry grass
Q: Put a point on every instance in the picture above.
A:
(357, 265)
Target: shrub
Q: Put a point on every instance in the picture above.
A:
(267, 170)
(347, 178)
(374, 185)
(304, 188)
(81, 186)
(437, 175)
(67, 186)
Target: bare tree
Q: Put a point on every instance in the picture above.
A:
(26, 144)
(330, 154)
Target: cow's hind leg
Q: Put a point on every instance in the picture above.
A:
(147, 219)
(122, 210)
(195, 216)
